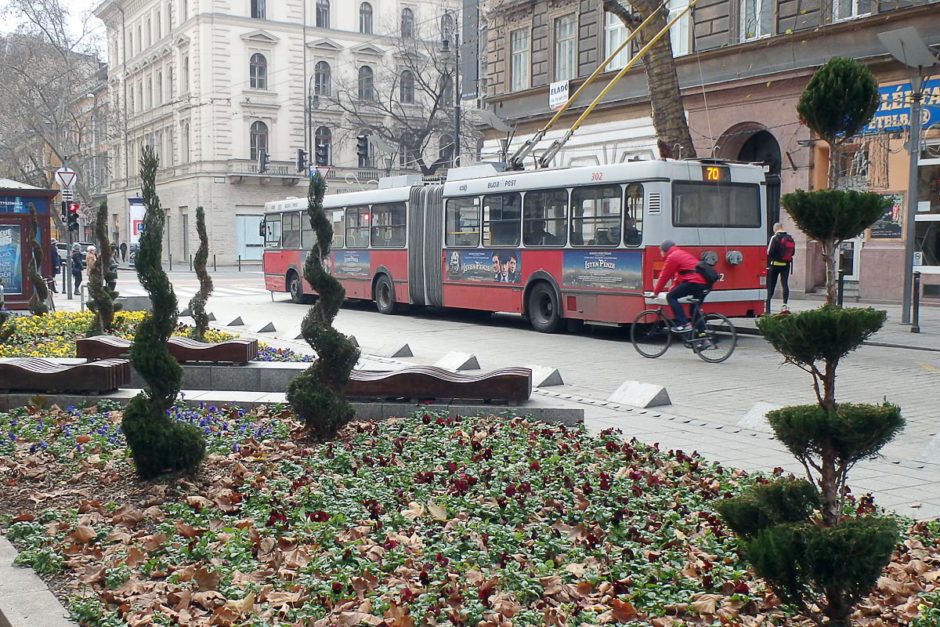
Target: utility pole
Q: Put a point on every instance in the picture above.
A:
(456, 94)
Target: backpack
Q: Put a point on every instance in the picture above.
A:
(785, 248)
(707, 271)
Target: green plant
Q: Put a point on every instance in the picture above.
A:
(37, 302)
(316, 395)
(157, 443)
(6, 330)
(197, 305)
(100, 279)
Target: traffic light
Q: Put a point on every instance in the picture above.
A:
(362, 148)
(322, 154)
(73, 216)
(262, 161)
(301, 159)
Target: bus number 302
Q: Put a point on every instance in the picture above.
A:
(597, 176)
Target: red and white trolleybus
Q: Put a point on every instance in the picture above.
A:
(576, 243)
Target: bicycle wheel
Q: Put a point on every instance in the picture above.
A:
(650, 333)
(719, 341)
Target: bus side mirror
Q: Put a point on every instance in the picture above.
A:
(262, 228)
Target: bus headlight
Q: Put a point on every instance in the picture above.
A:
(734, 257)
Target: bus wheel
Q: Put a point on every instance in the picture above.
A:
(543, 309)
(296, 287)
(384, 295)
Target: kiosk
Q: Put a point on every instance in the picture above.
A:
(15, 199)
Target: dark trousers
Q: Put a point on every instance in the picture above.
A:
(681, 291)
(773, 273)
(76, 280)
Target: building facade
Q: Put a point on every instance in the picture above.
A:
(742, 65)
(212, 85)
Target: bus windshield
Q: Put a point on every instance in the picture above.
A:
(709, 205)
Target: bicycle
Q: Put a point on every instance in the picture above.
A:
(712, 336)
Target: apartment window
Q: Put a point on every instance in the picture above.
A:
(445, 149)
(847, 9)
(149, 100)
(185, 76)
(258, 71)
(257, 9)
(184, 139)
(259, 139)
(184, 10)
(408, 153)
(149, 32)
(406, 88)
(169, 17)
(755, 19)
(140, 37)
(680, 35)
(323, 13)
(615, 33)
(565, 44)
(366, 84)
(159, 24)
(407, 23)
(324, 137)
(322, 79)
(520, 59)
(447, 90)
(365, 18)
(130, 43)
(158, 90)
(169, 82)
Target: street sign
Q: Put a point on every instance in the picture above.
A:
(65, 177)
(68, 194)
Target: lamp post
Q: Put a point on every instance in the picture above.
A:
(905, 45)
(446, 42)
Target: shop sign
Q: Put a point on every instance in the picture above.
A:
(889, 225)
(894, 108)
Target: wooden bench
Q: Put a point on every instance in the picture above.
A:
(23, 374)
(239, 351)
(511, 385)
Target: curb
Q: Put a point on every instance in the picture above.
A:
(25, 600)
(754, 331)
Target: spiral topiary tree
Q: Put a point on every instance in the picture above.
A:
(100, 279)
(316, 395)
(197, 305)
(157, 443)
(37, 302)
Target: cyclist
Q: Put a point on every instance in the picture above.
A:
(686, 281)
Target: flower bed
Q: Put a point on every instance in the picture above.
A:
(428, 520)
(54, 335)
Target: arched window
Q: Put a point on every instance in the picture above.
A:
(445, 149)
(259, 139)
(407, 23)
(323, 13)
(324, 137)
(406, 88)
(366, 84)
(322, 79)
(258, 71)
(447, 28)
(365, 18)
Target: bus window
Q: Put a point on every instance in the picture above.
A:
(463, 222)
(502, 214)
(633, 219)
(290, 237)
(388, 225)
(545, 218)
(595, 216)
(709, 205)
(337, 217)
(308, 237)
(272, 235)
(357, 227)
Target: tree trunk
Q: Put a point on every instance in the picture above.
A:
(831, 257)
(672, 130)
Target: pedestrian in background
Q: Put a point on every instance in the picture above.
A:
(779, 262)
(123, 251)
(77, 267)
(54, 263)
(91, 256)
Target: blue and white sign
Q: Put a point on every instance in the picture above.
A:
(894, 110)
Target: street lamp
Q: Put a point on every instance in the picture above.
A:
(905, 45)
(455, 31)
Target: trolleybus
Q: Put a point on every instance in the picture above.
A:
(578, 243)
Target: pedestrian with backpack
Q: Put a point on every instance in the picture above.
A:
(779, 263)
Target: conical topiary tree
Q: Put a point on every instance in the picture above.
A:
(316, 394)
(197, 305)
(37, 302)
(157, 443)
(101, 277)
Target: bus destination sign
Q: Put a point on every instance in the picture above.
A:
(716, 173)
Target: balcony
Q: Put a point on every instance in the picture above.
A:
(242, 170)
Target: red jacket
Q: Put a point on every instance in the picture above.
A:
(681, 266)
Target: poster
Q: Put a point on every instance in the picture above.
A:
(135, 218)
(11, 265)
(607, 269)
(351, 263)
(889, 225)
(484, 266)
